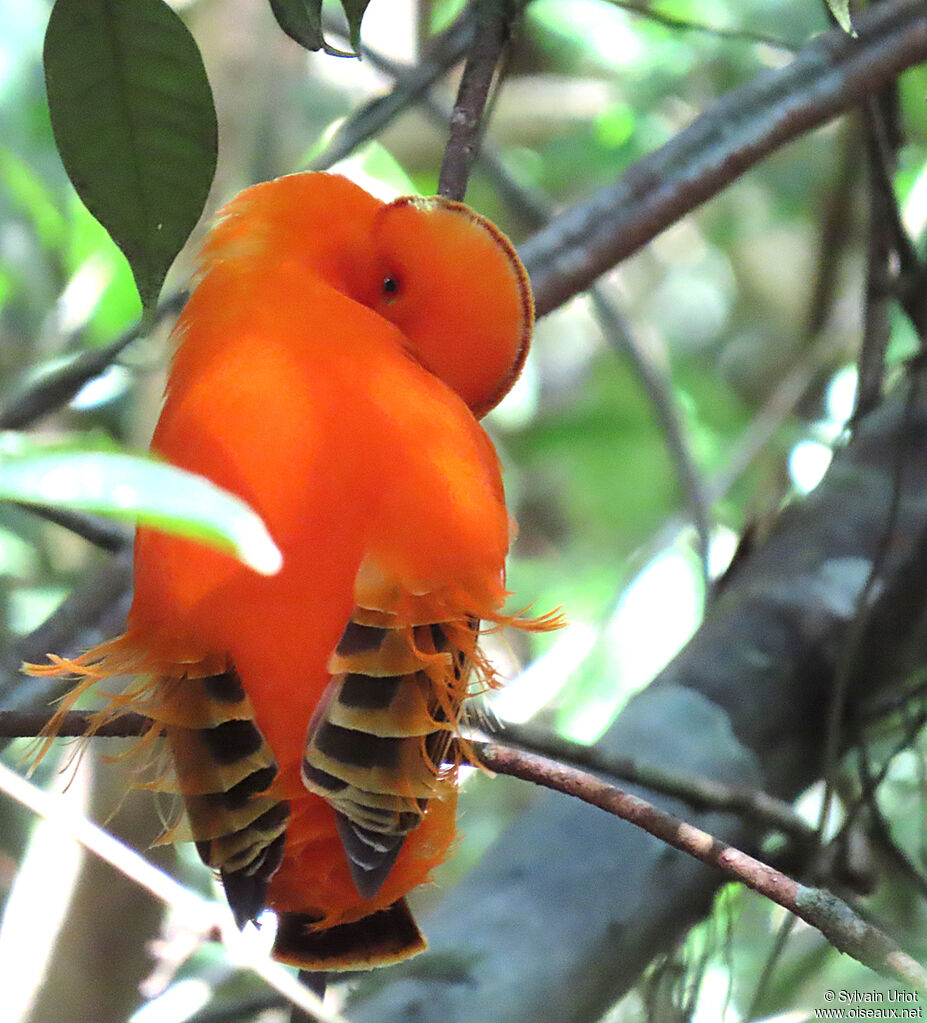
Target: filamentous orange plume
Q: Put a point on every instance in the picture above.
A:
(330, 369)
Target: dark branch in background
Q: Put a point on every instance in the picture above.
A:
(57, 388)
(659, 391)
(821, 909)
(494, 19)
(831, 75)
(835, 230)
(100, 532)
(886, 239)
(880, 830)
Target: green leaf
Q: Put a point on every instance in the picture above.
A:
(841, 11)
(354, 11)
(302, 22)
(139, 489)
(135, 124)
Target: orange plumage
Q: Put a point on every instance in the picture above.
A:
(330, 368)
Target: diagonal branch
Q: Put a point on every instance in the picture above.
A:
(828, 77)
(817, 907)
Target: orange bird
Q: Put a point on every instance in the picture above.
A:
(330, 368)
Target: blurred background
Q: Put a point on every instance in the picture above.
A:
(636, 450)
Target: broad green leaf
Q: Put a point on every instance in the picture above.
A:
(302, 22)
(134, 122)
(841, 11)
(138, 489)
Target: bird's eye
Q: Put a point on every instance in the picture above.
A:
(390, 286)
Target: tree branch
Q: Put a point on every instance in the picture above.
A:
(757, 806)
(699, 792)
(736, 35)
(828, 77)
(444, 52)
(820, 908)
(817, 907)
(489, 41)
(108, 536)
(94, 610)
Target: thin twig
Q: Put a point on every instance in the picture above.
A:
(24, 724)
(881, 247)
(663, 401)
(853, 641)
(821, 909)
(915, 687)
(871, 782)
(780, 403)
(868, 799)
(738, 35)
(445, 51)
(783, 933)
(834, 230)
(489, 41)
(902, 269)
(697, 792)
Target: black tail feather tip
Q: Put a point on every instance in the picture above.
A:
(371, 854)
(246, 890)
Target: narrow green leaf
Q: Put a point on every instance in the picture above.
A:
(841, 11)
(302, 21)
(354, 12)
(135, 124)
(138, 489)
